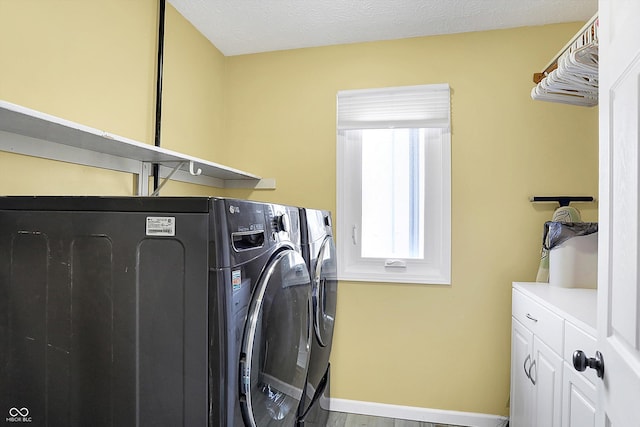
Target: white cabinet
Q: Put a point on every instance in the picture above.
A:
(536, 365)
(579, 397)
(521, 385)
(545, 389)
(546, 373)
(536, 380)
(579, 390)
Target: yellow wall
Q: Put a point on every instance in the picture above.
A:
(273, 114)
(443, 347)
(95, 63)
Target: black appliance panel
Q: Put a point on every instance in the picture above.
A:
(242, 232)
(96, 313)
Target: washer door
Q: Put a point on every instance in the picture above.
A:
(325, 292)
(275, 349)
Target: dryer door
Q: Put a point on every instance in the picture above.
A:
(276, 344)
(325, 292)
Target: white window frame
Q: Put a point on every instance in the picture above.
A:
(435, 267)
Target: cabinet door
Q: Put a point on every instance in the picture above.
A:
(546, 374)
(521, 407)
(578, 397)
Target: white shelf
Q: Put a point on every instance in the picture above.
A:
(33, 133)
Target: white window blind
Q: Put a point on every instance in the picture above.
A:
(424, 106)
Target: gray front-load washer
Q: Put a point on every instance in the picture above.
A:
(262, 291)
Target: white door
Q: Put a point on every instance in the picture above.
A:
(619, 252)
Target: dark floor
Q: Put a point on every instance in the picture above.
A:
(341, 419)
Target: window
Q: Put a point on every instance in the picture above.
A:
(394, 184)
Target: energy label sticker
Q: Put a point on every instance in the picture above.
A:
(161, 226)
(236, 279)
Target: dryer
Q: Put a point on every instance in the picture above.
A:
(318, 250)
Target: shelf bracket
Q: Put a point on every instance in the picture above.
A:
(143, 179)
(168, 177)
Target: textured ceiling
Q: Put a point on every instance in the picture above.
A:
(239, 27)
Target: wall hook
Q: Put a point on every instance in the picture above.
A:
(192, 170)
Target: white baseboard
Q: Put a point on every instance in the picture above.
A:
(412, 413)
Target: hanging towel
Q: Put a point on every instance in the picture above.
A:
(564, 214)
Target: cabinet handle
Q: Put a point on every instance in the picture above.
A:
(530, 317)
(527, 372)
(533, 364)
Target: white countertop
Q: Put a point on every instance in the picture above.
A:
(579, 306)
